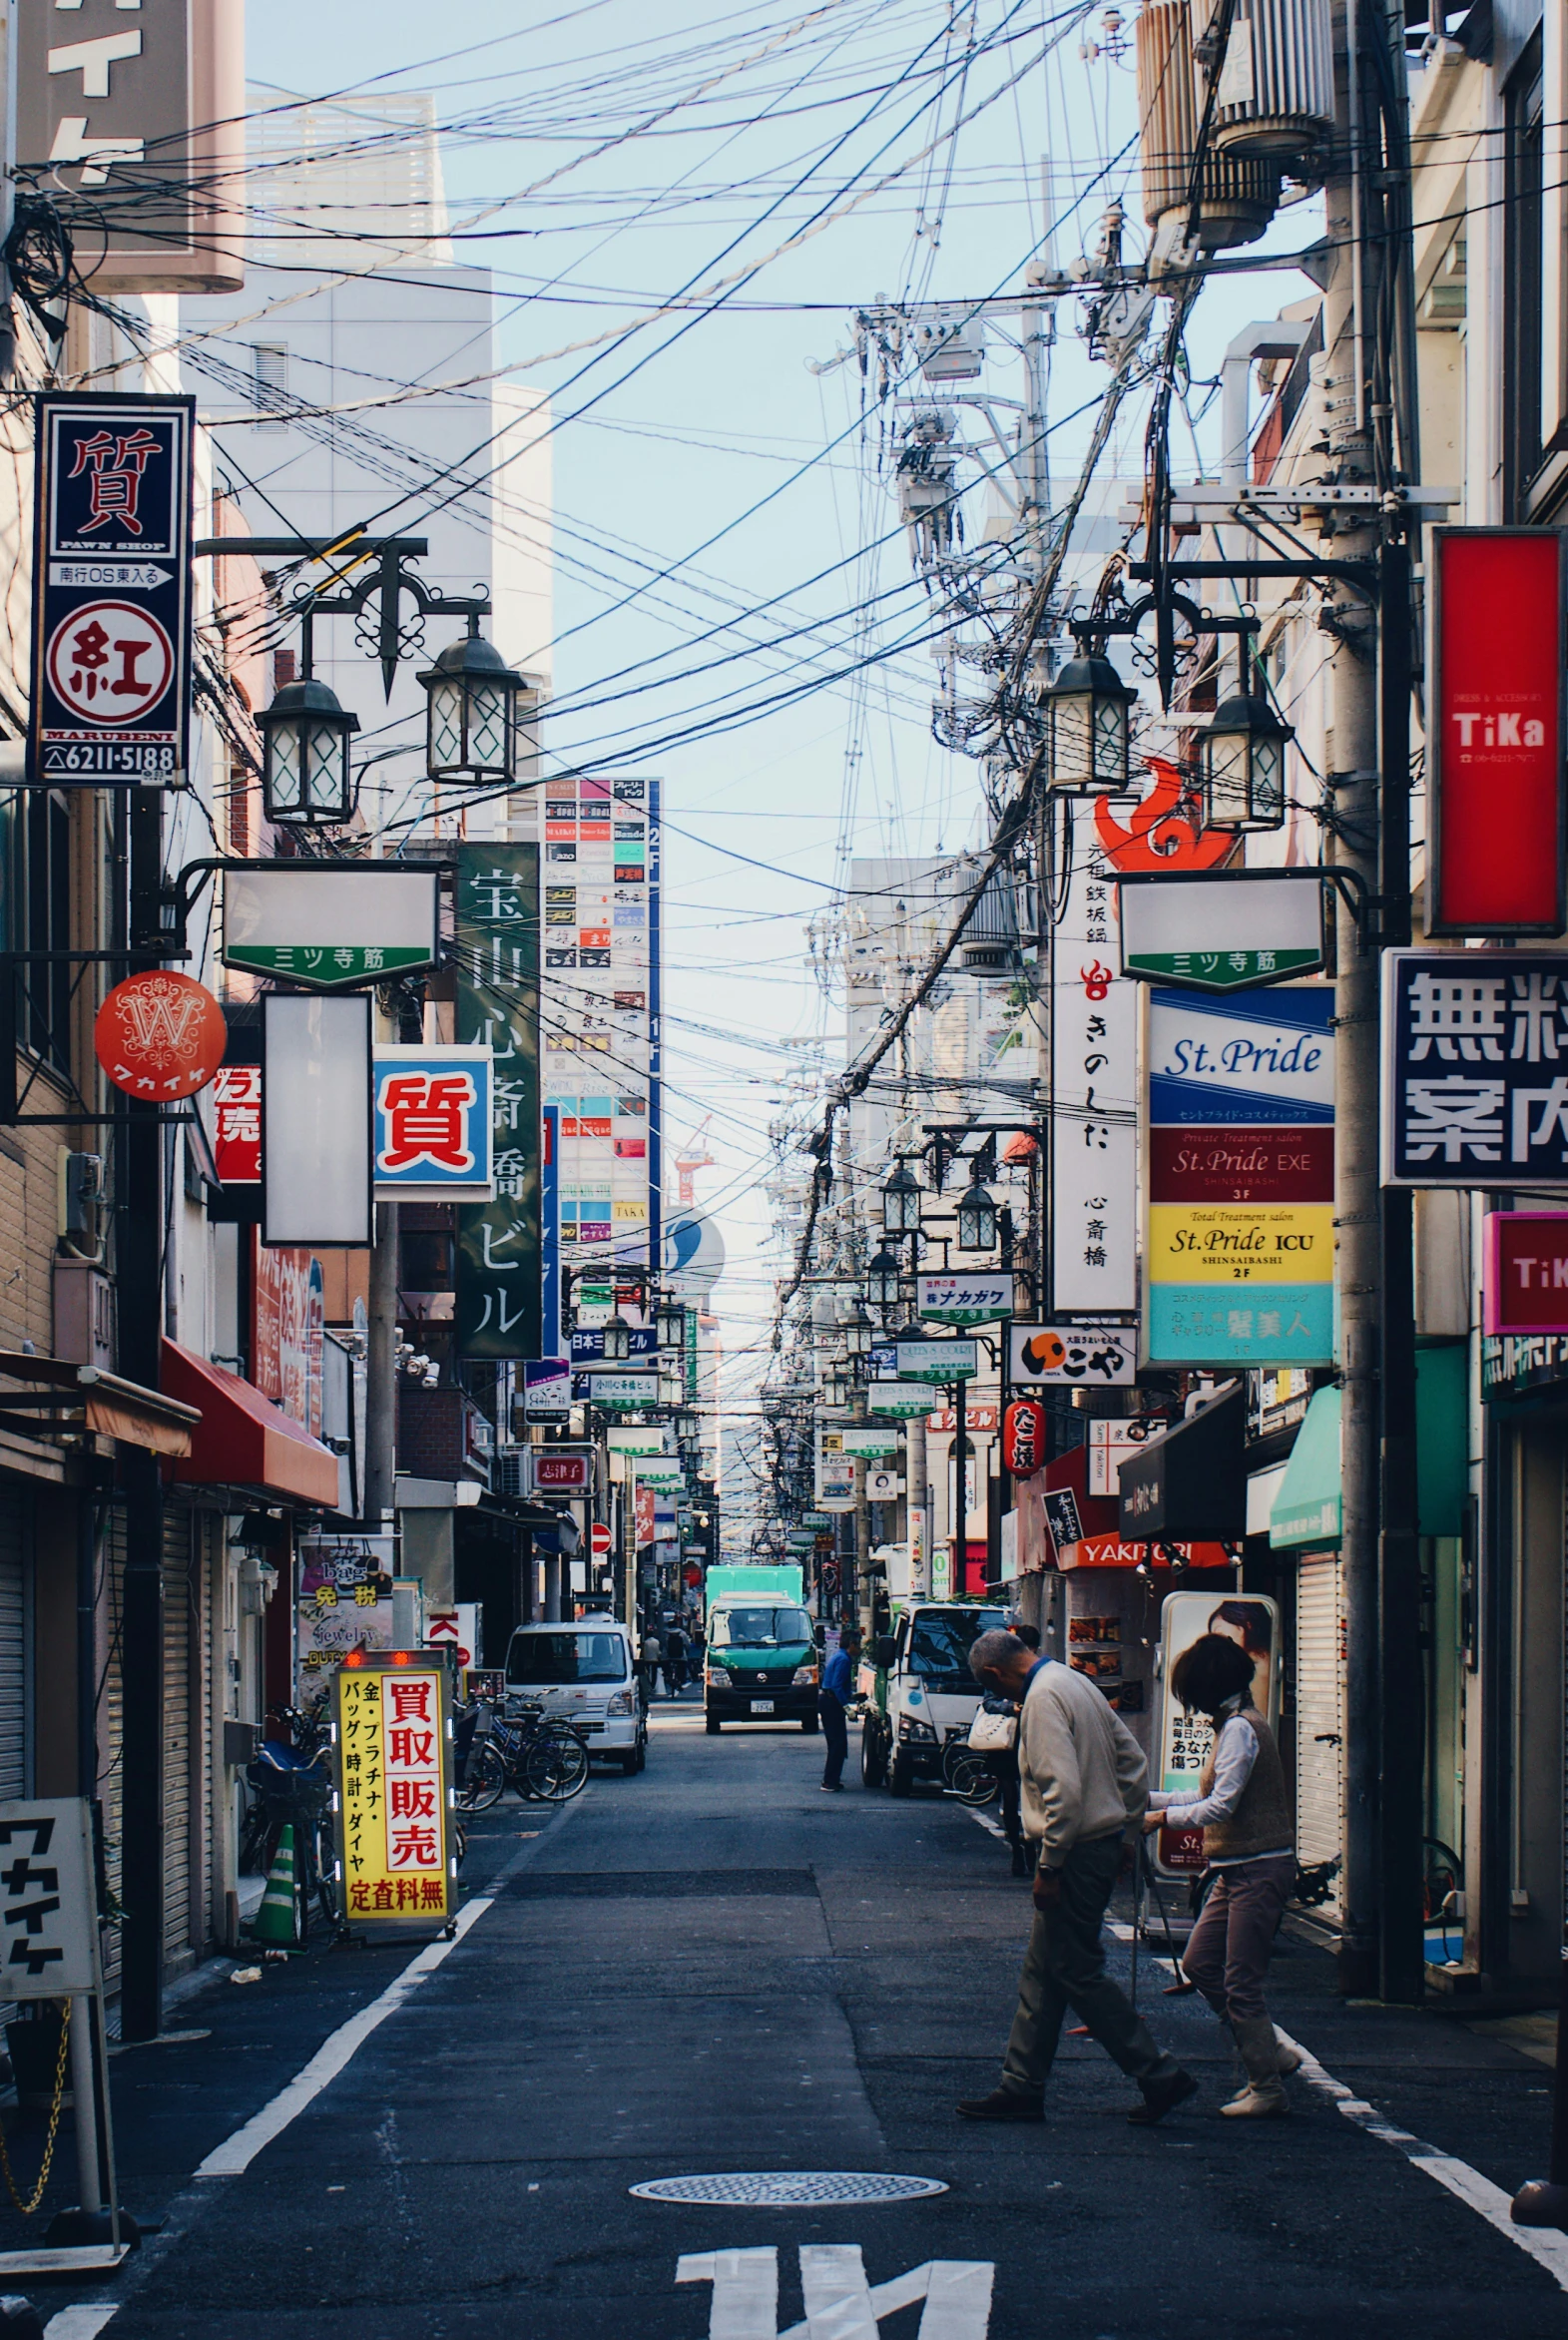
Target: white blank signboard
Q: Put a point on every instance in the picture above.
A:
(316, 1119)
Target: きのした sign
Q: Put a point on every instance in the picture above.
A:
(432, 1124)
(1093, 1125)
(393, 1765)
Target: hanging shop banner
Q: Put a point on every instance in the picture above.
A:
(871, 1439)
(964, 1299)
(1495, 732)
(325, 925)
(1223, 931)
(135, 124)
(938, 1361)
(588, 1348)
(547, 1388)
(638, 1439)
(560, 1470)
(344, 1601)
(111, 671)
(1240, 1230)
(159, 1035)
(434, 1117)
(1065, 1355)
(1475, 1068)
(236, 1123)
(619, 1390)
(497, 956)
(1524, 1276)
(1023, 1437)
(393, 1778)
(1111, 1443)
(1093, 1123)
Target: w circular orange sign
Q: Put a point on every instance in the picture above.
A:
(159, 1035)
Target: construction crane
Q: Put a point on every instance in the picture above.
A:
(692, 1158)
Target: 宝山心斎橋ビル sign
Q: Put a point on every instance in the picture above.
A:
(498, 1308)
(432, 1123)
(393, 1772)
(1222, 930)
(325, 925)
(1082, 1356)
(1475, 1068)
(1240, 1244)
(964, 1299)
(111, 671)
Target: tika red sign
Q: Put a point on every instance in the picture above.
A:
(1495, 732)
(1524, 1281)
(1023, 1437)
(159, 1035)
(236, 1124)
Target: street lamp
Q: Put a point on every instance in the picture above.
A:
(617, 1339)
(882, 1280)
(977, 1220)
(671, 1385)
(471, 712)
(305, 775)
(671, 1320)
(686, 1426)
(1086, 738)
(1241, 760)
(857, 1331)
(902, 1202)
(833, 1389)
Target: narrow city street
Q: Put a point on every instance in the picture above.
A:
(714, 1968)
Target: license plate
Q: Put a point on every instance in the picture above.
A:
(761, 1706)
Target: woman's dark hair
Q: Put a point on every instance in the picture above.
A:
(1209, 1672)
(1251, 1619)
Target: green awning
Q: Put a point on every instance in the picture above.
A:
(1308, 1508)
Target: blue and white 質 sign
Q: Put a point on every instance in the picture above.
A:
(432, 1124)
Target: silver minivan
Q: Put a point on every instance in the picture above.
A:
(585, 1673)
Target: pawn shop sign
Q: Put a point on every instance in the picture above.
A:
(159, 1035)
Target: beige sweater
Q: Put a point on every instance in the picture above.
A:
(1081, 1771)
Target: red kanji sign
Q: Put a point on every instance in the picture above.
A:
(115, 462)
(109, 662)
(1023, 1437)
(159, 1035)
(236, 1124)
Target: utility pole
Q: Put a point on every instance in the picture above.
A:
(382, 1372)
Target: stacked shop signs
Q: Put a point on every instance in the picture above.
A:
(1093, 1125)
(1239, 1242)
(601, 1014)
(497, 933)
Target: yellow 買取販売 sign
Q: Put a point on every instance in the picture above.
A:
(393, 1775)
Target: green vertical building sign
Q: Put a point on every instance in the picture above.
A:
(497, 933)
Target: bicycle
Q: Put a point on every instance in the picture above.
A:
(541, 1757)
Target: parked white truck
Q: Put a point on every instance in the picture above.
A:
(919, 1689)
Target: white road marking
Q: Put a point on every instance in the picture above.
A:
(839, 2304)
(1548, 2250)
(234, 2155)
(80, 2323)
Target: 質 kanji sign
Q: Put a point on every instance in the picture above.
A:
(432, 1123)
(111, 591)
(392, 1772)
(1475, 1068)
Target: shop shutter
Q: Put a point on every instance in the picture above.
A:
(15, 1540)
(1319, 1716)
(111, 1723)
(179, 1572)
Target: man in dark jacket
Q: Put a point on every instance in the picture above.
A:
(834, 1695)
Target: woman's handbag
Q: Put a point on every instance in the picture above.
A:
(994, 1734)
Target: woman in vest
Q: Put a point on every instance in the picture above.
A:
(1249, 1844)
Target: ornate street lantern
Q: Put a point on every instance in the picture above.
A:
(471, 712)
(882, 1281)
(1241, 760)
(305, 774)
(671, 1323)
(857, 1330)
(902, 1202)
(617, 1339)
(1086, 736)
(977, 1220)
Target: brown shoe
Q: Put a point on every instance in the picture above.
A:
(1005, 2104)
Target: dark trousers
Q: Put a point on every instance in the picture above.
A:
(1228, 1953)
(1004, 1770)
(1064, 1967)
(836, 1732)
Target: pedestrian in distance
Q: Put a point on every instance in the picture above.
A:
(675, 1660)
(838, 1688)
(1249, 1846)
(653, 1655)
(1083, 1784)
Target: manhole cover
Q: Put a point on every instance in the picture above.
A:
(787, 2190)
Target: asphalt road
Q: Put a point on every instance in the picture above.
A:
(715, 1968)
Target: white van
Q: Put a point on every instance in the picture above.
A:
(585, 1673)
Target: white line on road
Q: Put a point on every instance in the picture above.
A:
(1547, 2249)
(80, 2323)
(839, 2303)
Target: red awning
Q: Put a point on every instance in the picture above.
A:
(242, 1438)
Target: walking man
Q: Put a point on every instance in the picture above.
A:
(834, 1695)
(1084, 1783)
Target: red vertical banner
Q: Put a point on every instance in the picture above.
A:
(1495, 733)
